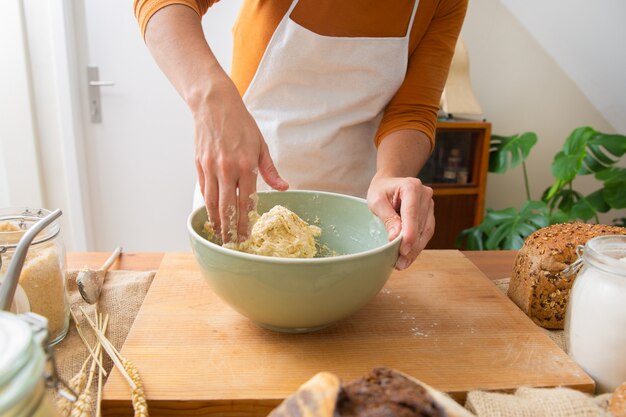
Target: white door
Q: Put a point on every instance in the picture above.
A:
(139, 159)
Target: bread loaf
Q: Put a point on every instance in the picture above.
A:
(538, 285)
(384, 392)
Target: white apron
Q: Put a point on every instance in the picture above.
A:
(318, 101)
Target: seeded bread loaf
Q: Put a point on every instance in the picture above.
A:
(538, 285)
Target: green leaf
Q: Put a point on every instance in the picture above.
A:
(611, 175)
(536, 213)
(558, 216)
(587, 151)
(564, 199)
(509, 151)
(613, 143)
(614, 194)
(565, 167)
(614, 191)
(620, 222)
(583, 210)
(576, 142)
(473, 238)
(507, 228)
(602, 151)
(551, 192)
(597, 201)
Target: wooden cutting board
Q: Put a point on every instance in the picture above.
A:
(441, 321)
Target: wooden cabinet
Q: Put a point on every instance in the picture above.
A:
(457, 172)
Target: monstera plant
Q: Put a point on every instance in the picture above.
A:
(585, 152)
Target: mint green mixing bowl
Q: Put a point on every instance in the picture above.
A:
(302, 295)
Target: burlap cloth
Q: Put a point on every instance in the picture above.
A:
(122, 295)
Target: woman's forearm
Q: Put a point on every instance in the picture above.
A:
(175, 39)
(402, 154)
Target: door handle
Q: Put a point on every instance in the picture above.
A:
(101, 83)
(94, 83)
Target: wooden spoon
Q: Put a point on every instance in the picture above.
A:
(90, 281)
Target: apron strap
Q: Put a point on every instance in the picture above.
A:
(294, 3)
(408, 32)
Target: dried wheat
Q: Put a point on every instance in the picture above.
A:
(138, 396)
(76, 384)
(82, 406)
(110, 349)
(82, 337)
(126, 368)
(103, 328)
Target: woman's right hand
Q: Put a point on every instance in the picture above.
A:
(230, 151)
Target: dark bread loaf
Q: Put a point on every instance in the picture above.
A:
(384, 392)
(538, 285)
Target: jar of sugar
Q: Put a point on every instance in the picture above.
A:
(595, 322)
(43, 275)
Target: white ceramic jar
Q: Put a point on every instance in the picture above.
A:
(595, 322)
(22, 365)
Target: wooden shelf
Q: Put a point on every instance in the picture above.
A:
(458, 206)
(437, 190)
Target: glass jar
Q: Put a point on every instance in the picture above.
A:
(43, 275)
(22, 367)
(595, 323)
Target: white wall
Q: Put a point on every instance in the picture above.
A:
(521, 88)
(20, 179)
(587, 40)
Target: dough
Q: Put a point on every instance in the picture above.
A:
(279, 233)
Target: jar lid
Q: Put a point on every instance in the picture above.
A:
(21, 359)
(606, 253)
(14, 222)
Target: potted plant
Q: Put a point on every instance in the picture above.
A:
(585, 152)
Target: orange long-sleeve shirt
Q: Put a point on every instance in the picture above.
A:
(431, 46)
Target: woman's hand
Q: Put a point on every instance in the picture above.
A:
(405, 206)
(230, 151)
(400, 200)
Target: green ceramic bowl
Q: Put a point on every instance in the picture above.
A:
(302, 295)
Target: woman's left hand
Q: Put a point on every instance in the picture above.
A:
(406, 206)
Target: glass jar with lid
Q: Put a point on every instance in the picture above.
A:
(23, 367)
(42, 280)
(595, 323)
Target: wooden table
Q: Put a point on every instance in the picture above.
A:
(494, 264)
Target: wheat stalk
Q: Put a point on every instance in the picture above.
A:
(140, 405)
(82, 337)
(110, 350)
(76, 384)
(129, 371)
(100, 373)
(82, 406)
